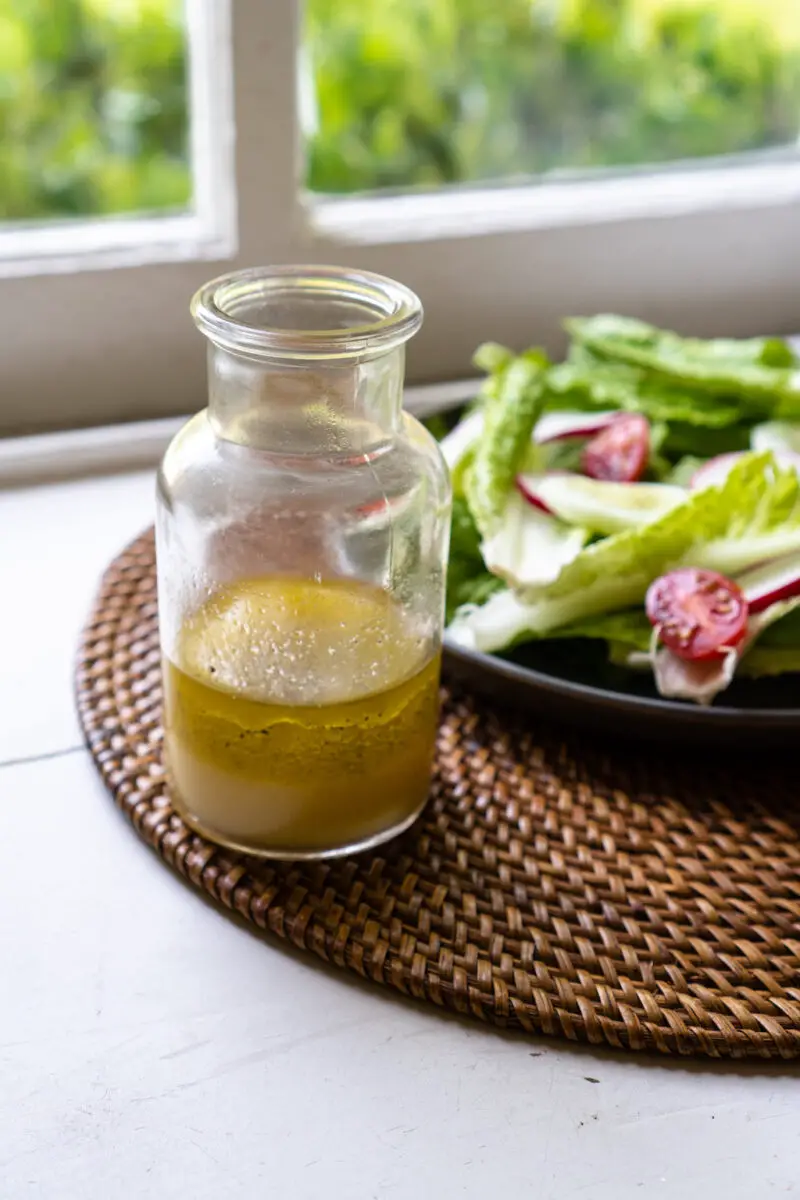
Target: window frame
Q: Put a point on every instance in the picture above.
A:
(101, 334)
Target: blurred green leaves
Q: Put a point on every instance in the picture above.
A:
(93, 108)
(429, 92)
(403, 93)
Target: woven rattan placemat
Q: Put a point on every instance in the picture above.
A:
(598, 892)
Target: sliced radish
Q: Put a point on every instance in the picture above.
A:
(529, 487)
(772, 582)
(558, 426)
(717, 470)
(597, 504)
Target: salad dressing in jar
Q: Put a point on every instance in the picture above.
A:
(302, 539)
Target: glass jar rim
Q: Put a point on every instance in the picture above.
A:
(218, 306)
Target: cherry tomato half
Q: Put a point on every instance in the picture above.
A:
(619, 452)
(698, 614)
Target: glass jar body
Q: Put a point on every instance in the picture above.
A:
(302, 529)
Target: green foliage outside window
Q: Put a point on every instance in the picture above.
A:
(397, 93)
(424, 92)
(92, 108)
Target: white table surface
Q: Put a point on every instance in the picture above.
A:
(151, 1047)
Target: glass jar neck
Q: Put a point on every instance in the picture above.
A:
(306, 360)
(305, 407)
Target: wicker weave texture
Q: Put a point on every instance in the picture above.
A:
(586, 890)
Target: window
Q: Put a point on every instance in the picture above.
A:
(96, 103)
(430, 93)
(514, 163)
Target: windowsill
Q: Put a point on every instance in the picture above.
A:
(462, 212)
(42, 458)
(105, 244)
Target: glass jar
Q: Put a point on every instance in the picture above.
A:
(302, 531)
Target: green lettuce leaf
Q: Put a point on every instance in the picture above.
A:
(630, 633)
(509, 418)
(762, 518)
(630, 629)
(492, 358)
(763, 661)
(610, 336)
(784, 634)
(758, 372)
(703, 442)
(599, 385)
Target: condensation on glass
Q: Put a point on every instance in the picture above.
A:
(302, 529)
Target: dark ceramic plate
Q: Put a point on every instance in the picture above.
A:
(573, 682)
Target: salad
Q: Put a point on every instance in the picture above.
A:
(644, 493)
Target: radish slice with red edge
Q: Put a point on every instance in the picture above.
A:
(597, 504)
(717, 470)
(529, 487)
(773, 581)
(619, 453)
(560, 426)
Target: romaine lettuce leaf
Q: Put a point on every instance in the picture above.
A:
(763, 661)
(683, 438)
(783, 634)
(758, 371)
(492, 358)
(629, 628)
(763, 518)
(509, 418)
(773, 647)
(601, 385)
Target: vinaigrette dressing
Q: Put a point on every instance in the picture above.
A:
(300, 716)
(300, 707)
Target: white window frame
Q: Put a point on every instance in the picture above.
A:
(95, 320)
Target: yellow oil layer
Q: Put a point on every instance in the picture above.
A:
(300, 716)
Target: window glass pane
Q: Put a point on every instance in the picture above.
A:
(424, 93)
(93, 108)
